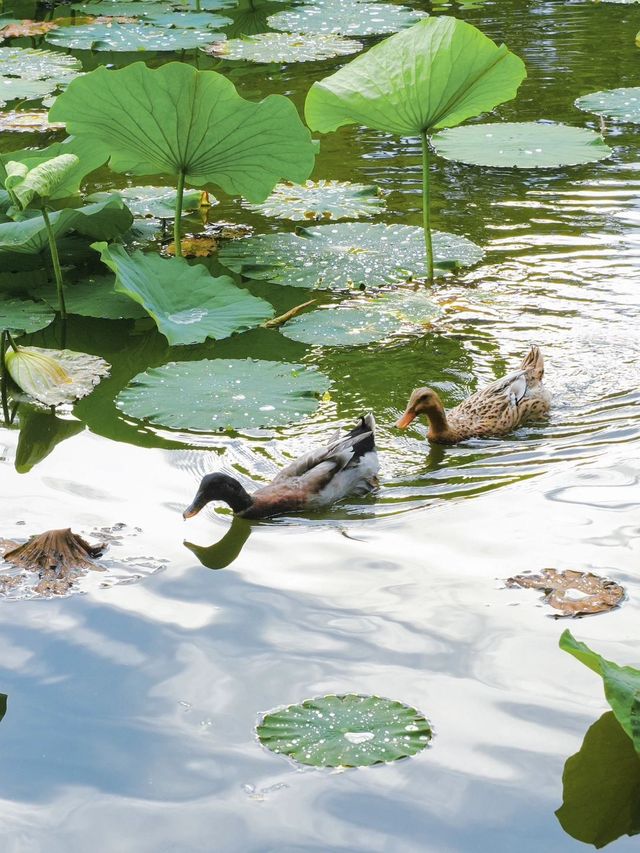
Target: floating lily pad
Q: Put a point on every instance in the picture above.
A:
(210, 395)
(188, 20)
(130, 37)
(350, 254)
(158, 202)
(54, 376)
(23, 315)
(345, 731)
(285, 47)
(322, 200)
(30, 64)
(187, 303)
(95, 297)
(33, 121)
(573, 593)
(350, 19)
(15, 88)
(524, 145)
(25, 28)
(618, 104)
(364, 321)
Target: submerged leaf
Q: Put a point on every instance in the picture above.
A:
(524, 145)
(347, 255)
(436, 74)
(54, 376)
(322, 200)
(285, 47)
(345, 731)
(175, 119)
(617, 104)
(220, 394)
(187, 304)
(129, 37)
(621, 685)
(347, 18)
(23, 315)
(595, 594)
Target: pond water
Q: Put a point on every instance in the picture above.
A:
(132, 708)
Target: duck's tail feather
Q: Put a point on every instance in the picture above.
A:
(533, 362)
(365, 433)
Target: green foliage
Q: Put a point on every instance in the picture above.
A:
(285, 47)
(24, 315)
(352, 19)
(95, 296)
(601, 786)
(220, 394)
(187, 304)
(322, 200)
(621, 685)
(159, 202)
(41, 182)
(345, 731)
(31, 74)
(129, 37)
(617, 104)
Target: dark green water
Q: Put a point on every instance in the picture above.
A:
(131, 708)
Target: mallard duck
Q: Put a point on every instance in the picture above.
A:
(493, 410)
(347, 465)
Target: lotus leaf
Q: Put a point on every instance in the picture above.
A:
(22, 315)
(159, 202)
(617, 104)
(129, 37)
(40, 182)
(523, 145)
(40, 433)
(55, 376)
(345, 731)
(187, 304)
(350, 254)
(95, 297)
(601, 786)
(33, 121)
(117, 8)
(250, 17)
(24, 28)
(351, 19)
(188, 20)
(15, 88)
(322, 200)
(595, 594)
(220, 394)
(180, 121)
(285, 47)
(29, 64)
(364, 321)
(621, 685)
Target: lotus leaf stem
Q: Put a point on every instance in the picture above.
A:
(55, 259)
(426, 212)
(177, 221)
(3, 377)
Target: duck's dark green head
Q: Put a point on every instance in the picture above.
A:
(219, 487)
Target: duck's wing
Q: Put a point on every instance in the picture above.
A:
(533, 364)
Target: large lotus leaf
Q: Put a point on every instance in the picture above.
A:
(105, 219)
(159, 202)
(210, 395)
(186, 302)
(364, 321)
(23, 315)
(175, 119)
(95, 297)
(345, 731)
(129, 37)
(621, 684)
(524, 145)
(55, 376)
(14, 88)
(250, 17)
(322, 200)
(90, 153)
(40, 182)
(351, 254)
(435, 74)
(188, 20)
(601, 786)
(285, 47)
(351, 19)
(618, 104)
(30, 64)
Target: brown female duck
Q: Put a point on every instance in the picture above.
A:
(493, 410)
(324, 475)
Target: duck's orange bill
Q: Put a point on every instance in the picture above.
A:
(406, 419)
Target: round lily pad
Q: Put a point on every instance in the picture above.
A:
(618, 104)
(345, 731)
(346, 255)
(218, 394)
(364, 321)
(159, 202)
(524, 145)
(322, 200)
(122, 8)
(130, 37)
(350, 19)
(29, 64)
(14, 88)
(285, 47)
(23, 315)
(189, 20)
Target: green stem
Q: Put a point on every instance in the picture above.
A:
(55, 259)
(177, 221)
(3, 377)
(426, 212)
(198, 6)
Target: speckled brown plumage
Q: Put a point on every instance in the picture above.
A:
(494, 410)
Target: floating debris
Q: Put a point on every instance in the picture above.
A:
(574, 593)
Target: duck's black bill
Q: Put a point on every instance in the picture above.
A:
(192, 510)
